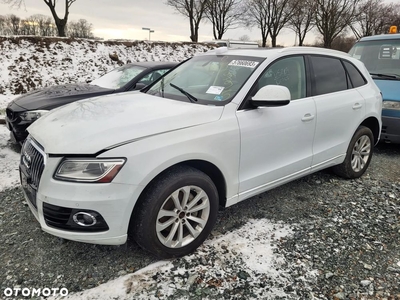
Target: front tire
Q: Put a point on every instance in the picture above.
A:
(359, 154)
(176, 212)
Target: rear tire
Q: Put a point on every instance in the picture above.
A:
(176, 213)
(359, 154)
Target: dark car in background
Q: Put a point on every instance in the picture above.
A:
(24, 110)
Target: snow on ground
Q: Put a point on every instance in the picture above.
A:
(4, 100)
(246, 258)
(9, 160)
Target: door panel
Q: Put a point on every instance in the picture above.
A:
(339, 115)
(339, 108)
(276, 142)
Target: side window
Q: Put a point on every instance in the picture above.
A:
(355, 76)
(329, 75)
(289, 72)
(162, 71)
(153, 76)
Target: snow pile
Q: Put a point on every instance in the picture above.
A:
(27, 63)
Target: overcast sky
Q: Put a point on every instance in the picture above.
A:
(124, 19)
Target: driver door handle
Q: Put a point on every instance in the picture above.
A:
(357, 106)
(307, 117)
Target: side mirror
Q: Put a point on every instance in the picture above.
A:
(139, 86)
(271, 95)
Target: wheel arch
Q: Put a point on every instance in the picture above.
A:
(373, 124)
(206, 167)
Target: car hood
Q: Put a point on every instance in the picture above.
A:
(389, 88)
(89, 126)
(55, 96)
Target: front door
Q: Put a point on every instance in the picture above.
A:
(276, 142)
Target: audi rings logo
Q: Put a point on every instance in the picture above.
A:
(26, 159)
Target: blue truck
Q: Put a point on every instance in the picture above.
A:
(381, 56)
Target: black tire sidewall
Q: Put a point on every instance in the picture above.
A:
(145, 216)
(362, 131)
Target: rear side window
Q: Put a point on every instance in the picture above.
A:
(329, 75)
(355, 76)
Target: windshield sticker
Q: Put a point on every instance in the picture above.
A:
(218, 98)
(243, 63)
(215, 90)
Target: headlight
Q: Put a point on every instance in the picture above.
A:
(32, 115)
(89, 170)
(391, 105)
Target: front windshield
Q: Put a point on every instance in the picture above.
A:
(380, 56)
(118, 77)
(207, 79)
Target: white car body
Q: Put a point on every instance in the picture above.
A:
(253, 149)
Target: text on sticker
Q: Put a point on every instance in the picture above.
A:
(243, 63)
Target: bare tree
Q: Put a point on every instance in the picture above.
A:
(271, 16)
(14, 24)
(80, 29)
(333, 17)
(302, 20)
(29, 26)
(257, 14)
(192, 9)
(60, 22)
(3, 25)
(281, 11)
(45, 25)
(343, 43)
(223, 15)
(393, 17)
(372, 17)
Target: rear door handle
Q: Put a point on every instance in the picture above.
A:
(307, 117)
(357, 106)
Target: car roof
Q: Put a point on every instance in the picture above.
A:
(154, 64)
(393, 36)
(271, 52)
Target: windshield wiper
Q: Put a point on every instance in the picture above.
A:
(190, 97)
(391, 76)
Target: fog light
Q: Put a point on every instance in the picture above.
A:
(84, 219)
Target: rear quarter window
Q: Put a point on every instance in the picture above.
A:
(356, 78)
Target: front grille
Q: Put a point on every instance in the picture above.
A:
(31, 168)
(32, 157)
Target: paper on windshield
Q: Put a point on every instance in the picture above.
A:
(215, 90)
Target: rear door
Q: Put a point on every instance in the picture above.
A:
(340, 108)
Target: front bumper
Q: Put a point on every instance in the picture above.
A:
(114, 202)
(390, 130)
(17, 129)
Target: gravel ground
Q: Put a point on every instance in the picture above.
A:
(346, 230)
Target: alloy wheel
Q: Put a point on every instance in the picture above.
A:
(182, 216)
(361, 153)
